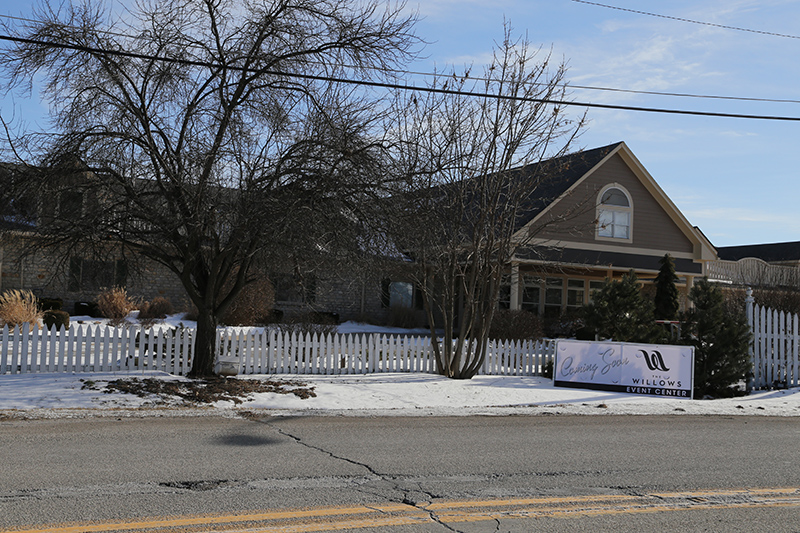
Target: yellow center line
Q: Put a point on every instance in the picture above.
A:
(223, 519)
(528, 501)
(731, 492)
(394, 514)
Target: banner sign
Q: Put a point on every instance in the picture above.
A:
(656, 370)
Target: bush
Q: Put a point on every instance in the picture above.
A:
(115, 305)
(721, 340)
(47, 304)
(322, 324)
(515, 325)
(666, 298)
(401, 316)
(56, 318)
(566, 325)
(18, 307)
(157, 308)
(620, 312)
(252, 306)
(87, 309)
(154, 311)
(547, 370)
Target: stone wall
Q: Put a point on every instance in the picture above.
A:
(358, 298)
(49, 274)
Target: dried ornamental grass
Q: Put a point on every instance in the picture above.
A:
(115, 305)
(157, 308)
(154, 311)
(18, 307)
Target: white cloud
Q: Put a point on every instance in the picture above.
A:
(736, 215)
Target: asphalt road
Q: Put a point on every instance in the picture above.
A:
(545, 473)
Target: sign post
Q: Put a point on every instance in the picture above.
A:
(650, 369)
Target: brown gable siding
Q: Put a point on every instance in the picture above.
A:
(652, 226)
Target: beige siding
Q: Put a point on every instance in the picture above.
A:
(652, 226)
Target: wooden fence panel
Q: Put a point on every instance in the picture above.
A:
(95, 348)
(775, 347)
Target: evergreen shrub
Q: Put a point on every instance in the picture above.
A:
(47, 304)
(56, 318)
(721, 341)
(666, 299)
(619, 312)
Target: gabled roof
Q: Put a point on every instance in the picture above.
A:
(586, 163)
(562, 174)
(771, 253)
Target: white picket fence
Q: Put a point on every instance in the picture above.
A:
(775, 351)
(251, 350)
(94, 348)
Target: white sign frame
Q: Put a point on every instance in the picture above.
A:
(647, 369)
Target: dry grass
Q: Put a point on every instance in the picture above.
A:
(115, 305)
(18, 307)
(154, 311)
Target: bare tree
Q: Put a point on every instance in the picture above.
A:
(208, 134)
(473, 177)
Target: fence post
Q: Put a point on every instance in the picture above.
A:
(749, 302)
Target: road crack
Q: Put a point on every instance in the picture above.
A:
(407, 498)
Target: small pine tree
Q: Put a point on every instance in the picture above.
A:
(666, 299)
(720, 339)
(619, 311)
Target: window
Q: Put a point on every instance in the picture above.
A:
(553, 296)
(400, 294)
(504, 300)
(531, 290)
(89, 275)
(70, 205)
(289, 288)
(614, 214)
(594, 288)
(575, 291)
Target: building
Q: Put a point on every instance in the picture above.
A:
(604, 216)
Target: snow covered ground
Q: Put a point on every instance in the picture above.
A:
(399, 394)
(63, 395)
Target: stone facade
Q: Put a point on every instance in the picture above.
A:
(49, 274)
(77, 279)
(358, 298)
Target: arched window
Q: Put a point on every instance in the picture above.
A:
(614, 213)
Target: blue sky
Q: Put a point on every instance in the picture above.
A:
(736, 179)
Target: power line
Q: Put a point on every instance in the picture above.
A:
(689, 95)
(618, 90)
(386, 85)
(688, 20)
(478, 78)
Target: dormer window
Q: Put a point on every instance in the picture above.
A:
(614, 214)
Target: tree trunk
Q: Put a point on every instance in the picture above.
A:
(204, 345)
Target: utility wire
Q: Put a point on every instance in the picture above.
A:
(478, 78)
(386, 85)
(688, 20)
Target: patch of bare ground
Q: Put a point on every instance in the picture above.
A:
(204, 391)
